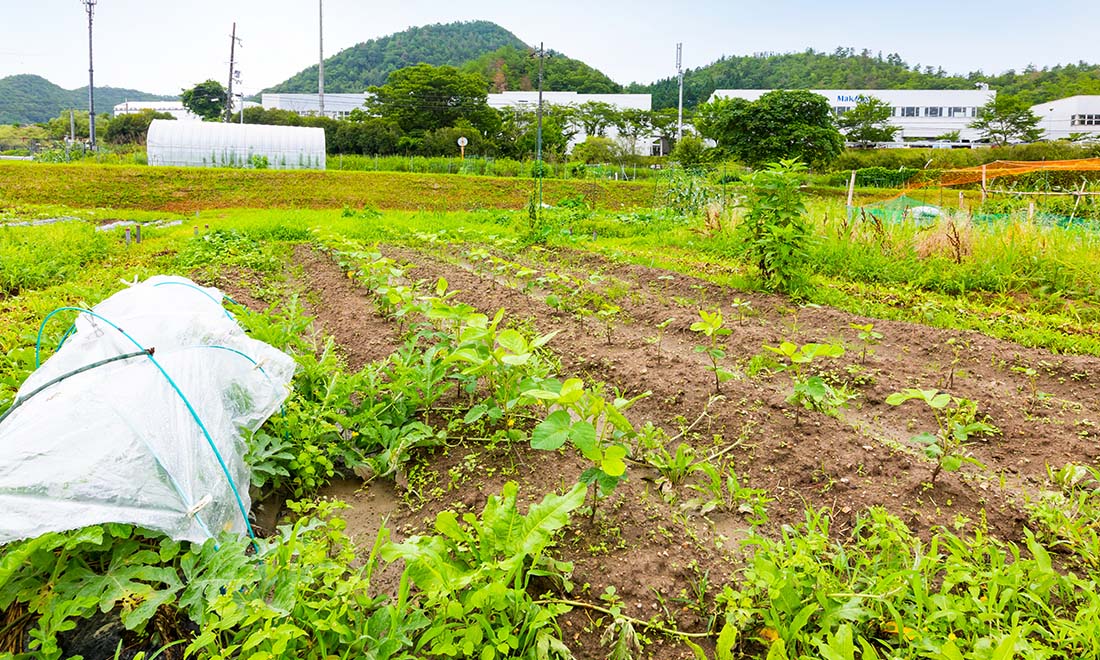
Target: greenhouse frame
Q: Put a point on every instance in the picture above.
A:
(210, 144)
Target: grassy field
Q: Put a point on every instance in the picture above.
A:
(188, 190)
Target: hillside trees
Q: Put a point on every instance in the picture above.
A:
(780, 125)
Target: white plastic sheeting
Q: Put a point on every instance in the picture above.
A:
(211, 144)
(119, 443)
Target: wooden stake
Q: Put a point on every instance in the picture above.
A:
(983, 184)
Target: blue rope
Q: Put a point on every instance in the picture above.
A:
(190, 408)
(202, 291)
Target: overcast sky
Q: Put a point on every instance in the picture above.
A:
(160, 47)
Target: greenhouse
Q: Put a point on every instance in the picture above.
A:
(209, 144)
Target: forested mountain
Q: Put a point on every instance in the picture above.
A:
(515, 69)
(355, 69)
(27, 99)
(844, 68)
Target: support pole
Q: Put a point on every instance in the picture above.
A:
(321, 60)
(89, 5)
(983, 184)
(680, 106)
(232, 65)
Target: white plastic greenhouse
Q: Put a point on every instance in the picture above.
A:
(210, 144)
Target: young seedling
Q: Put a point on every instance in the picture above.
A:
(811, 392)
(958, 422)
(711, 326)
(659, 337)
(868, 336)
(609, 314)
(742, 307)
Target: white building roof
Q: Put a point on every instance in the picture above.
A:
(336, 105)
(174, 108)
(620, 101)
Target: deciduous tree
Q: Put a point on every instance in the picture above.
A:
(424, 98)
(206, 99)
(1007, 118)
(779, 125)
(868, 122)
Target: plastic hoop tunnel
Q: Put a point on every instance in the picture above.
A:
(134, 420)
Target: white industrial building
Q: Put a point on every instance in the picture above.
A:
(1073, 116)
(922, 114)
(174, 108)
(337, 106)
(214, 144)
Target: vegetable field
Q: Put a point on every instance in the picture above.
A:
(595, 434)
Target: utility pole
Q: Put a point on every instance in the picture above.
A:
(321, 59)
(233, 41)
(680, 75)
(538, 133)
(89, 6)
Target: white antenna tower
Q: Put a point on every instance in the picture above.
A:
(680, 75)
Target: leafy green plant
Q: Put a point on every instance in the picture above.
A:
(743, 308)
(868, 336)
(473, 579)
(673, 468)
(958, 422)
(712, 327)
(724, 492)
(812, 392)
(609, 315)
(595, 426)
(774, 231)
(658, 338)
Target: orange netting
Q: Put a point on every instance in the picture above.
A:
(1007, 168)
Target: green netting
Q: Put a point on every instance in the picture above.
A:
(902, 208)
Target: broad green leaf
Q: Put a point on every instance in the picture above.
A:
(583, 435)
(612, 462)
(552, 432)
(513, 341)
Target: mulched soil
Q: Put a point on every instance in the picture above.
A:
(641, 542)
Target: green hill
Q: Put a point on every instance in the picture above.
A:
(514, 69)
(844, 68)
(355, 69)
(27, 99)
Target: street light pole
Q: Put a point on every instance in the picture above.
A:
(89, 6)
(321, 59)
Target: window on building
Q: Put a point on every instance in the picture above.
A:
(933, 112)
(910, 112)
(956, 112)
(840, 110)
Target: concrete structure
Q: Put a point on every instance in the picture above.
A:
(174, 108)
(1078, 115)
(213, 144)
(922, 114)
(337, 106)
